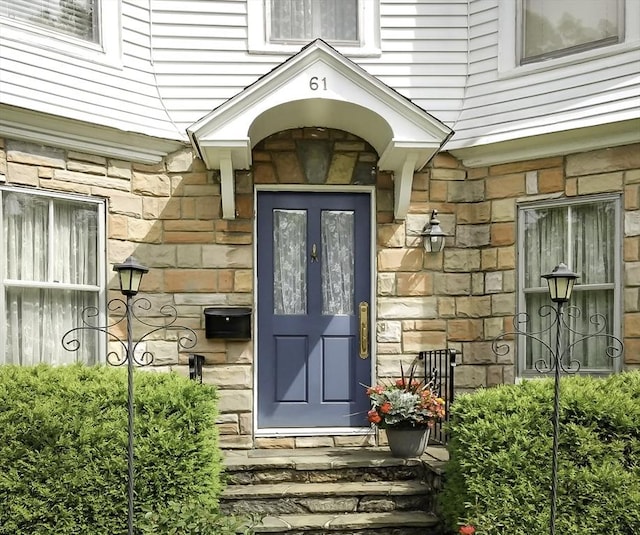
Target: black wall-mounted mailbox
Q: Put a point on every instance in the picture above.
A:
(230, 323)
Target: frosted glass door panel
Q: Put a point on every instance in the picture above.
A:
(289, 262)
(337, 236)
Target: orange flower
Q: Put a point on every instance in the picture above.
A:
(467, 530)
(373, 416)
(385, 408)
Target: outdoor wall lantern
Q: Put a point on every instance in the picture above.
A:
(433, 237)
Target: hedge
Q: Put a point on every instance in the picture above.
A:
(63, 453)
(499, 474)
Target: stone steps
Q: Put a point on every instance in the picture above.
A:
(361, 491)
(344, 497)
(396, 523)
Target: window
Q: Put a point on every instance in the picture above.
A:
(284, 26)
(551, 28)
(77, 18)
(51, 269)
(585, 235)
(536, 35)
(304, 20)
(84, 29)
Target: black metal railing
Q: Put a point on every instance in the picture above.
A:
(438, 367)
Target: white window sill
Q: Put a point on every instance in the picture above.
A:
(566, 61)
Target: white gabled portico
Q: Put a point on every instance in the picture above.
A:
(319, 87)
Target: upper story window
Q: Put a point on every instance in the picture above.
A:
(51, 270)
(77, 18)
(537, 35)
(551, 28)
(304, 20)
(585, 235)
(83, 29)
(284, 26)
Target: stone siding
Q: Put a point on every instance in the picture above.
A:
(169, 217)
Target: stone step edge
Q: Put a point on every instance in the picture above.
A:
(280, 490)
(315, 462)
(342, 521)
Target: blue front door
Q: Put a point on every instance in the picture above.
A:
(314, 286)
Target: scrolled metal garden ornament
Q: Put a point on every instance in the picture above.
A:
(120, 311)
(560, 321)
(117, 311)
(559, 357)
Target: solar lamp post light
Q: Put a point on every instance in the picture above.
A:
(130, 274)
(560, 283)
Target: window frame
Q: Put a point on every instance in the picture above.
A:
(258, 29)
(615, 327)
(559, 53)
(101, 276)
(509, 32)
(48, 42)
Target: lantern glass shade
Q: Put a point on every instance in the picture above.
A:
(130, 274)
(560, 282)
(433, 237)
(434, 243)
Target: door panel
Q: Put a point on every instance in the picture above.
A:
(314, 253)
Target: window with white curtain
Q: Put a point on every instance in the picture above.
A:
(304, 20)
(77, 18)
(52, 269)
(585, 235)
(284, 26)
(550, 28)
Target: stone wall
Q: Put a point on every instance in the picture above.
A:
(169, 217)
(473, 281)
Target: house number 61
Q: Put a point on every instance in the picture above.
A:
(315, 83)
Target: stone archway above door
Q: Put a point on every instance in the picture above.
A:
(319, 87)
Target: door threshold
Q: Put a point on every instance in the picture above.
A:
(312, 431)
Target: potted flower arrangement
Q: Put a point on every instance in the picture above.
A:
(407, 409)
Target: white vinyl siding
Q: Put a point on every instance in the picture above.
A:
(504, 101)
(203, 54)
(585, 235)
(176, 60)
(110, 84)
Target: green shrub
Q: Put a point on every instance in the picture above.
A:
(63, 453)
(499, 474)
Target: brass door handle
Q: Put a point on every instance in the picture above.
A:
(364, 329)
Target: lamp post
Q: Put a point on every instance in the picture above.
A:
(130, 274)
(560, 285)
(560, 282)
(433, 237)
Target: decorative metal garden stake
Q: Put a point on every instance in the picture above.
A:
(130, 276)
(560, 282)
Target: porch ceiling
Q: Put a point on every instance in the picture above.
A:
(318, 87)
